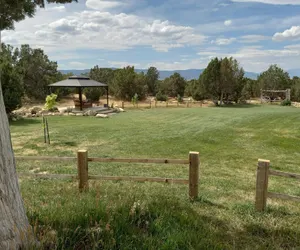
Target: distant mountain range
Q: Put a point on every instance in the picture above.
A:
(187, 74)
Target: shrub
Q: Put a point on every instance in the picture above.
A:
(50, 101)
(134, 99)
(161, 97)
(179, 98)
(93, 94)
(286, 103)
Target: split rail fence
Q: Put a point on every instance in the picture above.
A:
(83, 176)
(263, 173)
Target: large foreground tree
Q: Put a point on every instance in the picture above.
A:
(15, 231)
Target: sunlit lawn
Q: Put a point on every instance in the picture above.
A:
(230, 140)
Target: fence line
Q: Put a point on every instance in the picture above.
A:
(83, 177)
(158, 104)
(262, 179)
(96, 159)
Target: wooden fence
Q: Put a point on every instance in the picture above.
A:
(156, 104)
(83, 176)
(263, 173)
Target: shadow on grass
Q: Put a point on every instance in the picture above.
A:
(25, 122)
(207, 202)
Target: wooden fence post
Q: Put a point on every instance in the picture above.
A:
(262, 185)
(122, 105)
(194, 174)
(83, 175)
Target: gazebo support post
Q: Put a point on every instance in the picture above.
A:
(80, 97)
(107, 96)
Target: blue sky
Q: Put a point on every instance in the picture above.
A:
(168, 34)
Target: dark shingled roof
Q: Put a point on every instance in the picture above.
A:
(78, 81)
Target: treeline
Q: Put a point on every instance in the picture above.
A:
(27, 72)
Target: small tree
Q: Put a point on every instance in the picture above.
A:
(50, 101)
(127, 83)
(152, 76)
(11, 81)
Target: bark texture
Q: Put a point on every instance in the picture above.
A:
(15, 231)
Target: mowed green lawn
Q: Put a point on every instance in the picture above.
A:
(130, 215)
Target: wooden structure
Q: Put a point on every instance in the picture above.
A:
(263, 173)
(83, 176)
(81, 82)
(287, 93)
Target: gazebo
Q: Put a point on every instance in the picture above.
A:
(80, 82)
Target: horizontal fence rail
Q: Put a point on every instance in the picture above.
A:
(283, 174)
(83, 177)
(139, 179)
(262, 179)
(124, 160)
(112, 160)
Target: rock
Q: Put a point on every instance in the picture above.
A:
(90, 113)
(79, 114)
(33, 115)
(72, 114)
(28, 115)
(102, 116)
(35, 110)
(121, 110)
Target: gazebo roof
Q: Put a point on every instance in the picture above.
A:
(78, 81)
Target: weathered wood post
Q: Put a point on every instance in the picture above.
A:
(83, 176)
(122, 105)
(166, 104)
(194, 174)
(288, 95)
(262, 185)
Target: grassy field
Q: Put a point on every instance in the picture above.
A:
(129, 215)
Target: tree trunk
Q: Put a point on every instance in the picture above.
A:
(15, 231)
(221, 99)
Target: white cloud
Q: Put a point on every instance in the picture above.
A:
(103, 5)
(104, 30)
(77, 65)
(224, 41)
(278, 2)
(256, 59)
(294, 46)
(117, 64)
(56, 8)
(228, 22)
(165, 47)
(290, 34)
(253, 38)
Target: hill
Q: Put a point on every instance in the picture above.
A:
(187, 74)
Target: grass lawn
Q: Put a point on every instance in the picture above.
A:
(129, 215)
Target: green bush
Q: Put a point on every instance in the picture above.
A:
(50, 102)
(11, 86)
(179, 98)
(93, 94)
(161, 97)
(286, 103)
